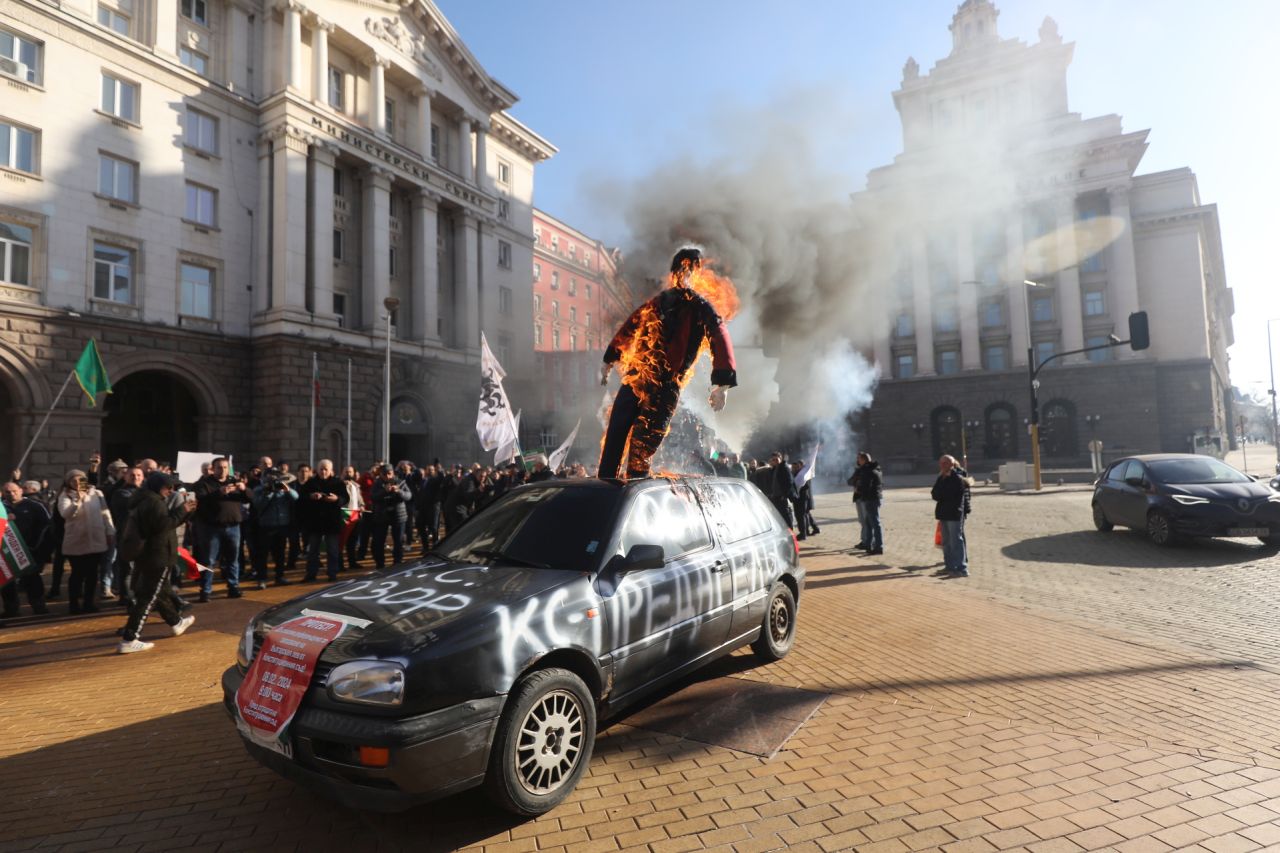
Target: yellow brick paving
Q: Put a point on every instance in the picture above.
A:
(1048, 703)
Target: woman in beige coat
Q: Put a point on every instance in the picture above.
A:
(88, 534)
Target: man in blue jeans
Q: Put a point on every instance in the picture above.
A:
(220, 501)
(951, 497)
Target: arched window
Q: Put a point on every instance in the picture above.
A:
(1001, 439)
(945, 421)
(1058, 429)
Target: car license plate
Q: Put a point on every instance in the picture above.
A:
(1249, 531)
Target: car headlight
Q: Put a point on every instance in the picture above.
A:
(244, 651)
(369, 682)
(1189, 500)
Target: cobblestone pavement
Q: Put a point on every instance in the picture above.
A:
(1080, 691)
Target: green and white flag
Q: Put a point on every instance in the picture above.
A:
(15, 556)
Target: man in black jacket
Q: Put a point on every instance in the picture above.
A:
(32, 520)
(221, 499)
(427, 506)
(951, 496)
(868, 491)
(782, 488)
(391, 497)
(322, 498)
(157, 526)
(118, 503)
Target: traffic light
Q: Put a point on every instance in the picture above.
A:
(1139, 337)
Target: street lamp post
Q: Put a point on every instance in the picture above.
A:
(1275, 421)
(1032, 384)
(391, 304)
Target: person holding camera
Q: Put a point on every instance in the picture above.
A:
(391, 498)
(219, 513)
(273, 500)
(87, 535)
(323, 497)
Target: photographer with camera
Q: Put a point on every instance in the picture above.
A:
(87, 535)
(273, 500)
(218, 517)
(391, 498)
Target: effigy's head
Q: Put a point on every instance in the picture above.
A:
(683, 264)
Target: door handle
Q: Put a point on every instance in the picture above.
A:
(718, 567)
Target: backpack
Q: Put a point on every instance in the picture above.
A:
(129, 547)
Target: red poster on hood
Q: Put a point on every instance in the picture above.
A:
(278, 678)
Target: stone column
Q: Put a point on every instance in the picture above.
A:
(923, 307)
(426, 271)
(424, 123)
(262, 217)
(967, 299)
(1017, 293)
(165, 38)
(482, 156)
(375, 247)
(292, 47)
(1069, 279)
(289, 220)
(1122, 272)
(463, 159)
(378, 94)
(323, 158)
(320, 61)
(466, 308)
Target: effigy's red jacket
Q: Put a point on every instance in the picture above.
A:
(687, 319)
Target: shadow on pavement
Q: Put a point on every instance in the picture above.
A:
(1130, 549)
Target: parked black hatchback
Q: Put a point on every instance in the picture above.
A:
(490, 660)
(1173, 495)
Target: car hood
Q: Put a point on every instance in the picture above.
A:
(1222, 491)
(395, 611)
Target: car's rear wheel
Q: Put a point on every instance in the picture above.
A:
(778, 633)
(543, 743)
(1160, 528)
(1100, 519)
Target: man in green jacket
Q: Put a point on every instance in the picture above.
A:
(157, 526)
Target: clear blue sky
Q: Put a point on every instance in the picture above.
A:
(612, 83)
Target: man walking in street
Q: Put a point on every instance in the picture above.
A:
(951, 496)
(119, 506)
(157, 529)
(218, 518)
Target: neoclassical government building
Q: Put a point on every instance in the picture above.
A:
(219, 191)
(1000, 184)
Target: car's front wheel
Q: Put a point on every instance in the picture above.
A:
(1271, 539)
(1100, 519)
(1160, 528)
(543, 743)
(778, 633)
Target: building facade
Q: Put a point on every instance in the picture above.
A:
(579, 300)
(217, 190)
(1018, 227)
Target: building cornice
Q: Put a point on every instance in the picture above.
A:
(512, 132)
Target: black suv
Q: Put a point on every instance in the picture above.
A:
(489, 660)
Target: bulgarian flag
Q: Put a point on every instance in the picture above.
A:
(91, 373)
(15, 556)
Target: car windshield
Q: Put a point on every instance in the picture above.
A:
(1191, 471)
(558, 527)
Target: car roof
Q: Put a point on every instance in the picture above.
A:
(630, 485)
(1163, 457)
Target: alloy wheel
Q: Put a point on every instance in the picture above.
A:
(549, 743)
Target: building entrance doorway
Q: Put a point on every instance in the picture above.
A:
(410, 435)
(149, 414)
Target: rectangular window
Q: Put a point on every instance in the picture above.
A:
(196, 10)
(1095, 303)
(335, 88)
(18, 148)
(555, 280)
(117, 178)
(555, 342)
(119, 18)
(993, 358)
(1044, 351)
(15, 253)
(197, 291)
(586, 320)
(587, 289)
(992, 314)
(573, 314)
(573, 342)
(112, 273)
(504, 349)
(1042, 309)
(537, 303)
(555, 242)
(389, 113)
(435, 143)
(906, 366)
(340, 308)
(391, 261)
(202, 205)
(339, 183)
(948, 362)
(504, 209)
(339, 244)
(20, 57)
(201, 131)
(555, 309)
(504, 254)
(944, 319)
(537, 335)
(504, 173)
(504, 300)
(194, 59)
(537, 272)
(573, 251)
(119, 98)
(904, 326)
(573, 286)
(1098, 355)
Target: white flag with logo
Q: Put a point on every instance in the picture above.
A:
(810, 467)
(495, 424)
(511, 449)
(562, 452)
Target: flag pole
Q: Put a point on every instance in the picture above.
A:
(47, 414)
(348, 412)
(315, 368)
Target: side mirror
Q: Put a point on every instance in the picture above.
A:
(643, 557)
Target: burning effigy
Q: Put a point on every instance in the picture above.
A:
(655, 351)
